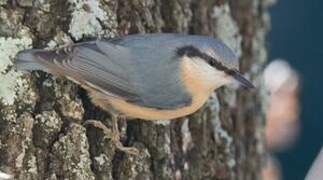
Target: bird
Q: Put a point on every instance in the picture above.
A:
(147, 76)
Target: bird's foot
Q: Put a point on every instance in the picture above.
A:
(128, 150)
(100, 125)
(114, 135)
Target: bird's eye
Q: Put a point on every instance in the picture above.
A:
(216, 64)
(211, 61)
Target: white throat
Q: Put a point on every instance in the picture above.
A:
(209, 77)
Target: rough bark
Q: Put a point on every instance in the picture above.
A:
(41, 116)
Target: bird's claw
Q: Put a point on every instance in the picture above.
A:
(100, 125)
(128, 150)
(114, 135)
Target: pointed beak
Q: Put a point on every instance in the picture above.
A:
(241, 79)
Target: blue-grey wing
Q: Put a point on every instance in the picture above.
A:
(93, 64)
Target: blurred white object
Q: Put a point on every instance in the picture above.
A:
(279, 74)
(282, 113)
(4, 176)
(316, 171)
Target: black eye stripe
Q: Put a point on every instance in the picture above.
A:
(191, 51)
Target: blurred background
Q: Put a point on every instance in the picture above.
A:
(296, 36)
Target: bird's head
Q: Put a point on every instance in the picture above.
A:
(214, 61)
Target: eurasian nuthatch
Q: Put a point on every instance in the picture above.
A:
(147, 76)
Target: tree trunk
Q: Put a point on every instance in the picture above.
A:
(42, 135)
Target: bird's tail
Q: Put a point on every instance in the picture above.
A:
(27, 60)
